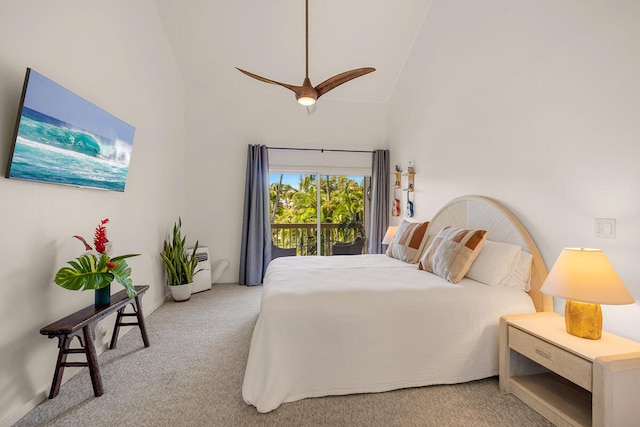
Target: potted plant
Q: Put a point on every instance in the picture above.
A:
(179, 263)
(96, 269)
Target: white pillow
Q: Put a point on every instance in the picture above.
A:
(520, 277)
(494, 263)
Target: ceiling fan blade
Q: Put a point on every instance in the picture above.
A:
(296, 89)
(341, 78)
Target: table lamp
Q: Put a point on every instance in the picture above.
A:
(586, 278)
(388, 236)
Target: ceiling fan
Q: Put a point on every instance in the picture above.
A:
(306, 94)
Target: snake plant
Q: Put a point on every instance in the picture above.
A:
(179, 262)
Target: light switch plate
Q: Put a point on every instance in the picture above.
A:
(605, 228)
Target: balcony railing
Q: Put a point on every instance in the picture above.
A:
(303, 237)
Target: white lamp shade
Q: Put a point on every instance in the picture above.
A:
(388, 236)
(586, 275)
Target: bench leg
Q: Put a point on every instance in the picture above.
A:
(92, 360)
(116, 328)
(141, 324)
(137, 312)
(63, 345)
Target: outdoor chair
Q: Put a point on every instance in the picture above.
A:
(353, 248)
(277, 251)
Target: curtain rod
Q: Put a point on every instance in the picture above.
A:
(322, 150)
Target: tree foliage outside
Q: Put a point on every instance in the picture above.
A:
(342, 203)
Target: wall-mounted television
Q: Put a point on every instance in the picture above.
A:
(62, 138)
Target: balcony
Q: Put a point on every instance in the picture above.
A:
(302, 237)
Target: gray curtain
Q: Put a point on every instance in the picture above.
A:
(380, 201)
(256, 225)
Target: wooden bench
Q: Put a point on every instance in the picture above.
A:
(82, 324)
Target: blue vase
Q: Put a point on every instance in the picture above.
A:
(103, 296)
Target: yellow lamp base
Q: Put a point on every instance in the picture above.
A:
(583, 319)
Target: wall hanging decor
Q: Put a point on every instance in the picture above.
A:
(61, 138)
(395, 206)
(409, 189)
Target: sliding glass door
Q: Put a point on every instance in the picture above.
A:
(294, 212)
(311, 217)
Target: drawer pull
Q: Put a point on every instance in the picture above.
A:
(544, 353)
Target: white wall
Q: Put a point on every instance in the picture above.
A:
(115, 55)
(535, 104)
(221, 125)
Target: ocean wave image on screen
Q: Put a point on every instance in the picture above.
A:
(50, 150)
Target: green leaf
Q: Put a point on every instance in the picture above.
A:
(86, 272)
(122, 274)
(90, 271)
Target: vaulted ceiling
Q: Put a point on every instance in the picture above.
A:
(267, 37)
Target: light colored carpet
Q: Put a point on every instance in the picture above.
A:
(192, 376)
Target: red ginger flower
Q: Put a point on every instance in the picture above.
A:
(100, 241)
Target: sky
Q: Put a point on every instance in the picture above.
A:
(48, 97)
(293, 179)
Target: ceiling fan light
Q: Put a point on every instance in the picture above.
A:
(306, 100)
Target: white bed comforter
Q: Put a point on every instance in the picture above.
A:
(354, 324)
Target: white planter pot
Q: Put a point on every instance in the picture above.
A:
(181, 292)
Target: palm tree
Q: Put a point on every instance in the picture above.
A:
(342, 202)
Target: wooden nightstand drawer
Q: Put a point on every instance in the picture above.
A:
(569, 380)
(556, 359)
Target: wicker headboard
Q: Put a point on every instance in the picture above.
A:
(478, 212)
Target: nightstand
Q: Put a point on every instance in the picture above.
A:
(569, 380)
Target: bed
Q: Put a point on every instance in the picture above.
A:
(372, 323)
